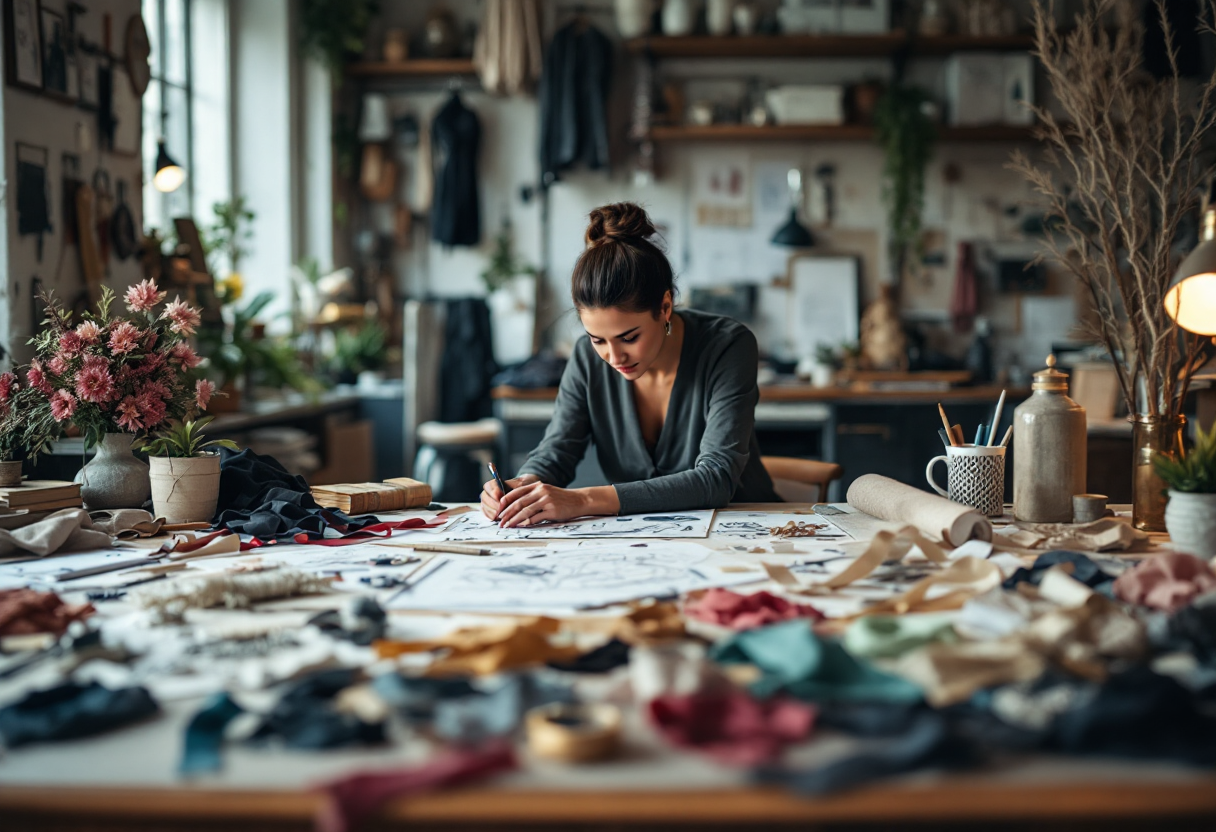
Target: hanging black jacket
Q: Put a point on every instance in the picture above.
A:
(467, 366)
(455, 141)
(574, 101)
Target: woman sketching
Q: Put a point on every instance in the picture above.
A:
(668, 397)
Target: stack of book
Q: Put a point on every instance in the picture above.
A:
(369, 497)
(34, 499)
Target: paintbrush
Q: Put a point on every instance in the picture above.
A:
(996, 420)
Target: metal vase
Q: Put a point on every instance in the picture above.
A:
(1152, 435)
(114, 478)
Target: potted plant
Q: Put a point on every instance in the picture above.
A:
(906, 131)
(185, 473)
(358, 352)
(25, 431)
(114, 378)
(1190, 514)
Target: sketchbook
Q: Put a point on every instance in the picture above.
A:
(475, 527)
(571, 577)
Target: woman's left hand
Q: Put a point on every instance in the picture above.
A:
(538, 502)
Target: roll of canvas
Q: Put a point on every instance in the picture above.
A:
(887, 499)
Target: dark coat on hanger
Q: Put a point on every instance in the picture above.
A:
(455, 142)
(468, 366)
(573, 101)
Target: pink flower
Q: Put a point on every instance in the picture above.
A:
(185, 319)
(58, 365)
(184, 355)
(129, 417)
(89, 332)
(151, 408)
(94, 384)
(143, 296)
(63, 405)
(95, 362)
(149, 340)
(37, 379)
(8, 386)
(151, 363)
(70, 344)
(124, 337)
(203, 391)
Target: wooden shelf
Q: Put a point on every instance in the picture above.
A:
(822, 46)
(420, 68)
(827, 133)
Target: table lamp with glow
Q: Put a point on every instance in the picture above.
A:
(1191, 298)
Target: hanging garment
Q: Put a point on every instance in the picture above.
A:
(508, 53)
(573, 101)
(964, 300)
(467, 367)
(455, 143)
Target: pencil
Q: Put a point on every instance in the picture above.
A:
(1005, 441)
(449, 548)
(946, 423)
(956, 433)
(996, 420)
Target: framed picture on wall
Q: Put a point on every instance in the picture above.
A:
(90, 92)
(24, 44)
(54, 53)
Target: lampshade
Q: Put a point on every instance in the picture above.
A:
(169, 175)
(793, 234)
(1191, 298)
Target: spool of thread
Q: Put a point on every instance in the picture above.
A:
(574, 733)
(1086, 508)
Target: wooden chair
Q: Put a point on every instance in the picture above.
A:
(801, 480)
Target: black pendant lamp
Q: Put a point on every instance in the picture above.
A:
(169, 174)
(793, 234)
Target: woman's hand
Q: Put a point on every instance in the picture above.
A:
(491, 494)
(538, 502)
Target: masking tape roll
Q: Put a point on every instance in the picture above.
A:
(574, 733)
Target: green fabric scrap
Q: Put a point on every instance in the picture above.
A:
(794, 660)
(890, 636)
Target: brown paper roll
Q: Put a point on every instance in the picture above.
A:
(887, 499)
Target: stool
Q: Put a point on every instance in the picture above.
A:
(443, 445)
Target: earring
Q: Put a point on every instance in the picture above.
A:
(667, 326)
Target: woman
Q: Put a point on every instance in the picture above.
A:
(669, 401)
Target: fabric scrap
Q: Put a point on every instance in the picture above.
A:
(602, 659)
(890, 636)
(1166, 582)
(26, 611)
(745, 612)
(997, 614)
(1107, 535)
(361, 621)
(204, 738)
(71, 711)
(352, 799)
(1194, 627)
(68, 530)
(794, 660)
(1084, 570)
(170, 599)
(952, 673)
(733, 728)
(305, 716)
(481, 651)
(127, 523)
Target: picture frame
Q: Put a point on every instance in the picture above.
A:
(90, 89)
(23, 46)
(825, 301)
(55, 37)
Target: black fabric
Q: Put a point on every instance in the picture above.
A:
(70, 711)
(247, 480)
(573, 101)
(363, 622)
(1083, 570)
(467, 368)
(455, 142)
(305, 717)
(602, 659)
(1193, 628)
(538, 372)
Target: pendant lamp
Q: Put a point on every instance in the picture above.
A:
(793, 233)
(1191, 297)
(169, 174)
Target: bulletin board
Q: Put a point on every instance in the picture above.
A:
(826, 306)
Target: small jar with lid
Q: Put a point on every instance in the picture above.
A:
(1049, 456)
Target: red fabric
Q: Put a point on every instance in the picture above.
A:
(373, 530)
(964, 301)
(1166, 582)
(351, 800)
(25, 612)
(732, 728)
(745, 612)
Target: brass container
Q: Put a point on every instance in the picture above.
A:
(1049, 456)
(1152, 435)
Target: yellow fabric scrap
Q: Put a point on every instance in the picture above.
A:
(481, 651)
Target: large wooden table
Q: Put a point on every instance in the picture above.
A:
(127, 781)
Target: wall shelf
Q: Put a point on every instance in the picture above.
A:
(822, 46)
(420, 68)
(827, 133)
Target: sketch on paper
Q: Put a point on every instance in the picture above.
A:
(477, 528)
(574, 577)
(757, 525)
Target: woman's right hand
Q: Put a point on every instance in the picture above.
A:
(491, 494)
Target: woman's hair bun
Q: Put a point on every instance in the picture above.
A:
(616, 221)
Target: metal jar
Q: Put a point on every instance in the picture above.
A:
(1049, 455)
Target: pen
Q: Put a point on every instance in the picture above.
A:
(502, 486)
(1008, 433)
(996, 420)
(450, 548)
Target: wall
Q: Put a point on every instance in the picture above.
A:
(34, 119)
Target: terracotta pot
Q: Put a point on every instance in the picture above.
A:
(10, 474)
(185, 489)
(1191, 521)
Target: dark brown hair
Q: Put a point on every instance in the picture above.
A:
(621, 268)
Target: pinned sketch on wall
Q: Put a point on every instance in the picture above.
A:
(758, 525)
(24, 44)
(572, 577)
(826, 306)
(477, 528)
(722, 190)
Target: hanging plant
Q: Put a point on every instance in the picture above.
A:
(333, 30)
(906, 133)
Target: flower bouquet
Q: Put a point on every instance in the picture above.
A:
(114, 377)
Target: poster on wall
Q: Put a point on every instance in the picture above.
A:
(24, 44)
(722, 190)
(54, 53)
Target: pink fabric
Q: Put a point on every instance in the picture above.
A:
(1166, 582)
(732, 728)
(746, 612)
(353, 799)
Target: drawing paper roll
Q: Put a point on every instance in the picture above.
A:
(888, 499)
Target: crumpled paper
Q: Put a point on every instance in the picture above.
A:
(1166, 582)
(1107, 535)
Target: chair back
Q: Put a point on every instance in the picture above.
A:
(801, 480)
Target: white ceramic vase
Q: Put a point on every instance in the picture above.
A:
(679, 17)
(114, 478)
(633, 17)
(185, 489)
(1191, 521)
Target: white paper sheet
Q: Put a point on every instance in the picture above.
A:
(41, 572)
(477, 528)
(756, 525)
(572, 577)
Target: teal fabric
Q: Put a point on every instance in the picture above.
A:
(794, 660)
(890, 636)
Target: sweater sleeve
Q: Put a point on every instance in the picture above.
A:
(730, 397)
(556, 458)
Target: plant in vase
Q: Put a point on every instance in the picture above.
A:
(114, 378)
(185, 472)
(25, 429)
(1120, 177)
(1190, 514)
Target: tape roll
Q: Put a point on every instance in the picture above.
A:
(574, 733)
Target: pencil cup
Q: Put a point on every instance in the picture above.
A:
(976, 476)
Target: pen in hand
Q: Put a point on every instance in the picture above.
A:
(502, 486)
